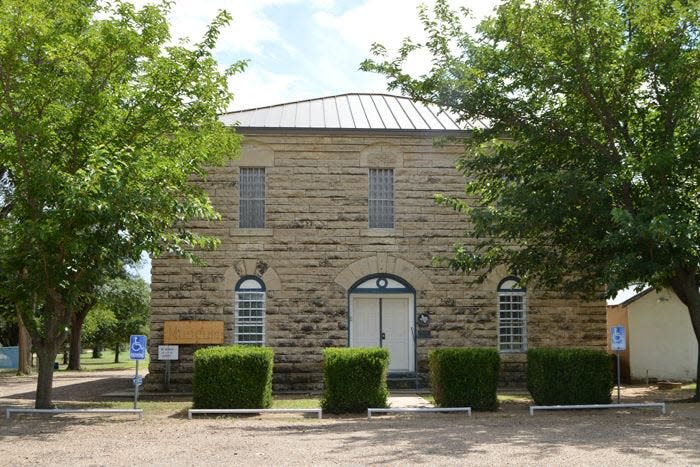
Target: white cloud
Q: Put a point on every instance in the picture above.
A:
(249, 29)
(388, 22)
(257, 87)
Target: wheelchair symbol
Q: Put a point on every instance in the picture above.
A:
(137, 347)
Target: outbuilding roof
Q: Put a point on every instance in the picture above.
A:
(348, 111)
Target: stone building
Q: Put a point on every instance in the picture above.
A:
(328, 233)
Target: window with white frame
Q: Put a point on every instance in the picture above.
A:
(381, 198)
(252, 198)
(512, 316)
(250, 312)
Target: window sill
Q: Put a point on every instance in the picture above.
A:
(382, 233)
(251, 232)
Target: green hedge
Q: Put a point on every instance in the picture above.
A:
(569, 376)
(232, 377)
(465, 377)
(354, 379)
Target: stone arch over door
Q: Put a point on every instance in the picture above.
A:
(383, 264)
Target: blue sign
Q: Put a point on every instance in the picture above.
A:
(137, 347)
(138, 381)
(617, 338)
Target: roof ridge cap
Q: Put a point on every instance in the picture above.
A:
(316, 99)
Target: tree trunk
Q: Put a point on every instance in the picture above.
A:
(48, 341)
(25, 349)
(685, 285)
(44, 384)
(97, 350)
(76, 328)
(116, 353)
(76, 331)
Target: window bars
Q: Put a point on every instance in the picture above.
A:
(512, 330)
(252, 198)
(381, 198)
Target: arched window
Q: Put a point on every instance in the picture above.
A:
(250, 311)
(512, 316)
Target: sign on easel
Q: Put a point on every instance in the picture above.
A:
(168, 352)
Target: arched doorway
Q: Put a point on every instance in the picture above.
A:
(382, 314)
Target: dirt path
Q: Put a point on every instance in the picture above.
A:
(510, 436)
(68, 386)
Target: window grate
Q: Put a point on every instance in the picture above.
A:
(512, 321)
(250, 318)
(252, 198)
(381, 198)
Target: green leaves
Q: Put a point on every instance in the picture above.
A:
(232, 377)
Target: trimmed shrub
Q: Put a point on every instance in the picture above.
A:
(232, 377)
(465, 377)
(354, 379)
(569, 376)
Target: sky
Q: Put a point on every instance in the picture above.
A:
(301, 49)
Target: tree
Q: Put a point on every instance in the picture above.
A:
(87, 302)
(9, 327)
(97, 329)
(129, 300)
(587, 175)
(102, 123)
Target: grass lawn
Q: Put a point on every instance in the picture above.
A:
(181, 407)
(691, 386)
(105, 362)
(518, 398)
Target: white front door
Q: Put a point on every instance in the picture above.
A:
(384, 321)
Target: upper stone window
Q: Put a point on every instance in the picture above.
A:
(252, 198)
(381, 198)
(512, 316)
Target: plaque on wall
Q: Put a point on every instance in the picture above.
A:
(193, 332)
(423, 319)
(423, 334)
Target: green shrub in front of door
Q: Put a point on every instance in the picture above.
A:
(354, 379)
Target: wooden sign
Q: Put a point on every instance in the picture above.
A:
(193, 332)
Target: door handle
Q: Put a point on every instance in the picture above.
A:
(383, 335)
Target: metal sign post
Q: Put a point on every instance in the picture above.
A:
(167, 353)
(618, 342)
(137, 351)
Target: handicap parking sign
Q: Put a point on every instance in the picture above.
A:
(617, 338)
(137, 347)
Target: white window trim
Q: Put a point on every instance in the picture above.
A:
(248, 320)
(514, 323)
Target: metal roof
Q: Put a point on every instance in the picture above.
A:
(348, 111)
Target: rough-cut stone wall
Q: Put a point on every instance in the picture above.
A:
(316, 244)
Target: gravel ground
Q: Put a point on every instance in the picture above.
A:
(509, 436)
